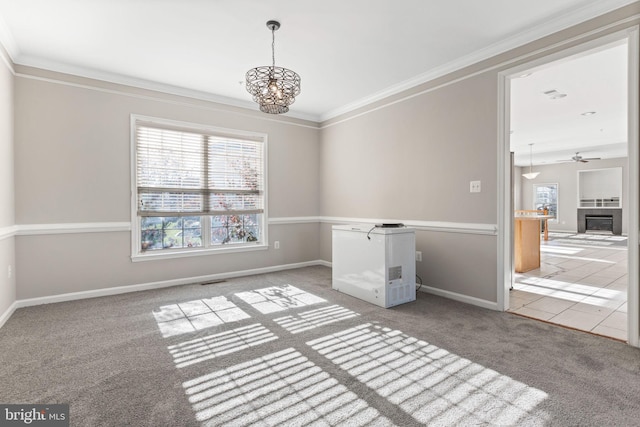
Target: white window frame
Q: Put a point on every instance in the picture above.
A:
(136, 253)
(535, 201)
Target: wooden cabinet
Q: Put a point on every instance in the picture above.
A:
(526, 243)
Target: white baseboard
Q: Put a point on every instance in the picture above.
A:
(211, 277)
(8, 312)
(459, 297)
(152, 285)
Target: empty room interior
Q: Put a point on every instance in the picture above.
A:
(339, 213)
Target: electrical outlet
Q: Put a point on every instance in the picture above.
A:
(418, 256)
(474, 186)
(276, 245)
(9, 272)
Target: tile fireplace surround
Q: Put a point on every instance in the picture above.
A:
(615, 213)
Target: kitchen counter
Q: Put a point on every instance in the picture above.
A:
(527, 240)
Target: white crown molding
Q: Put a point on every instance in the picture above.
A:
(58, 67)
(6, 59)
(6, 39)
(626, 21)
(8, 47)
(246, 113)
(554, 25)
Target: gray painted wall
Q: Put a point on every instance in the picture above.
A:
(7, 205)
(409, 157)
(413, 161)
(517, 190)
(74, 168)
(566, 176)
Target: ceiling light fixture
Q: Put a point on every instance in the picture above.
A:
(530, 175)
(554, 94)
(273, 88)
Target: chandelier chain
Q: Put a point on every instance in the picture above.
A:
(273, 47)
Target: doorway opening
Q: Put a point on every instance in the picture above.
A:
(561, 115)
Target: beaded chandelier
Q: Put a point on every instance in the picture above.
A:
(273, 88)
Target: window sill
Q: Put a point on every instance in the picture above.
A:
(188, 253)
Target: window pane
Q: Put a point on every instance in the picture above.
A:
(546, 197)
(173, 223)
(151, 240)
(219, 229)
(170, 232)
(252, 227)
(192, 231)
(229, 229)
(150, 223)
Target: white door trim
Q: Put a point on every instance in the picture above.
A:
(505, 271)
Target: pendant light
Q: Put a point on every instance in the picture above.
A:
(530, 175)
(273, 88)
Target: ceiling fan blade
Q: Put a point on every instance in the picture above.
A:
(578, 159)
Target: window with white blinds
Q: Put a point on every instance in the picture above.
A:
(197, 187)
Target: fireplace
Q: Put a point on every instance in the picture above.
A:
(600, 219)
(599, 223)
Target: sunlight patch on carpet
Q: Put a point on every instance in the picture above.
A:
(282, 388)
(200, 349)
(278, 298)
(429, 383)
(191, 316)
(307, 320)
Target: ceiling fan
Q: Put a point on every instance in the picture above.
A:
(579, 159)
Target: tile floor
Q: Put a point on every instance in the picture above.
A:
(581, 283)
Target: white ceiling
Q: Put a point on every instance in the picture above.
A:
(348, 53)
(594, 81)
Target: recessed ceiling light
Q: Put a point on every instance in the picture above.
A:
(554, 94)
(588, 113)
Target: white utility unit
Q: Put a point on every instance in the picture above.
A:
(375, 264)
